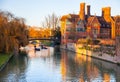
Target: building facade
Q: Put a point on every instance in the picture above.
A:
(84, 25)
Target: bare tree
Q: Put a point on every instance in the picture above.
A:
(51, 21)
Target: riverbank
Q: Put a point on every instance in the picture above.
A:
(4, 58)
(89, 52)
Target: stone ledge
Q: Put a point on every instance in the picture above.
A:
(92, 54)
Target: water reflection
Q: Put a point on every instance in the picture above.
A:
(59, 66)
(32, 53)
(77, 67)
(15, 70)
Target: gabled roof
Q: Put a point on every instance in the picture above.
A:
(117, 18)
(101, 20)
(81, 21)
(90, 20)
(63, 17)
(103, 23)
(73, 17)
(70, 17)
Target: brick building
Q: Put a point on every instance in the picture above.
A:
(83, 25)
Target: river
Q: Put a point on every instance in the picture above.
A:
(58, 65)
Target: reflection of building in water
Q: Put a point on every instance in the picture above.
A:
(81, 79)
(81, 57)
(106, 77)
(86, 63)
(63, 65)
(87, 69)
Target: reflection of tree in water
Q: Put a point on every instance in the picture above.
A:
(15, 69)
(57, 55)
(57, 49)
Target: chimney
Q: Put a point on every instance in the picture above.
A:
(88, 10)
(106, 13)
(82, 11)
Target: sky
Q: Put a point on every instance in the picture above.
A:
(34, 11)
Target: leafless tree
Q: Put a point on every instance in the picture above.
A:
(51, 21)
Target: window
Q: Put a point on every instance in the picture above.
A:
(67, 29)
(95, 31)
(80, 30)
(103, 25)
(107, 25)
(101, 31)
(95, 25)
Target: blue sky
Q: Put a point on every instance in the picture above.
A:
(34, 11)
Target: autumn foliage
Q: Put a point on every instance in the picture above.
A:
(13, 32)
(35, 32)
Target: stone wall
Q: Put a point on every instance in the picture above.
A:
(118, 49)
(100, 55)
(71, 46)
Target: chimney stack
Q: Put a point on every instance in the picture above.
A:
(88, 10)
(82, 11)
(106, 13)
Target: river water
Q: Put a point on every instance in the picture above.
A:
(58, 65)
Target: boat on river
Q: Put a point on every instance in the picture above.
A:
(37, 51)
(40, 47)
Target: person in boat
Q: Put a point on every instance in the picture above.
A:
(44, 47)
(41, 46)
(36, 49)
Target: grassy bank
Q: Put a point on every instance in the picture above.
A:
(4, 58)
